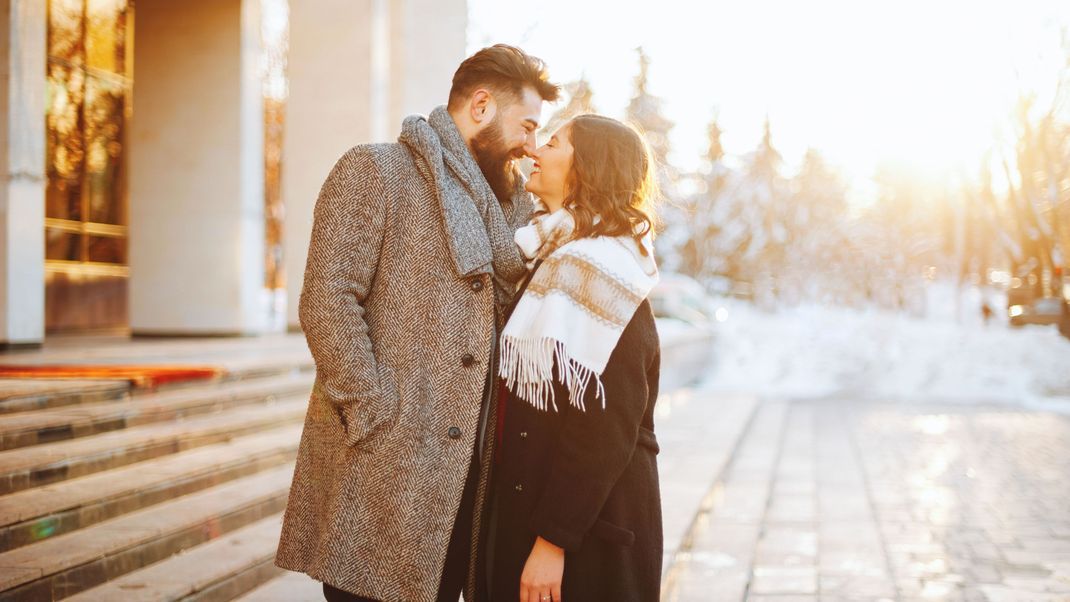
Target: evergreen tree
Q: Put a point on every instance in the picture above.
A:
(700, 254)
(580, 102)
(764, 196)
(815, 264)
(645, 112)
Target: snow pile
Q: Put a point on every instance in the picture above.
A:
(818, 351)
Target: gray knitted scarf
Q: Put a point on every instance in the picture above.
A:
(451, 170)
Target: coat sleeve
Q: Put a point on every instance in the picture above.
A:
(595, 446)
(347, 234)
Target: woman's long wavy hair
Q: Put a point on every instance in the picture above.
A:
(612, 178)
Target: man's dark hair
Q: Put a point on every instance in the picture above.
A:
(503, 69)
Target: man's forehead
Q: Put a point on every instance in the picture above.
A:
(530, 106)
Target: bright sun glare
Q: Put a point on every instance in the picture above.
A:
(926, 85)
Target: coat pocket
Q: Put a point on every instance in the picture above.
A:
(613, 534)
(368, 421)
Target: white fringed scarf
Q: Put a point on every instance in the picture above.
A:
(574, 309)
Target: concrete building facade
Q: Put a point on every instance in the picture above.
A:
(138, 192)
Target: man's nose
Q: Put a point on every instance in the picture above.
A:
(529, 146)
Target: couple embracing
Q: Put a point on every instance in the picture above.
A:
(486, 360)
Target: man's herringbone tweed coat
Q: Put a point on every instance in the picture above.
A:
(400, 330)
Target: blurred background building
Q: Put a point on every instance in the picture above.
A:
(160, 160)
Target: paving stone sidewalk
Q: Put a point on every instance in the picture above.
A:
(837, 500)
(697, 433)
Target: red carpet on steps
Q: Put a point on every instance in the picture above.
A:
(143, 376)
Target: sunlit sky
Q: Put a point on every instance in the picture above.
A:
(925, 84)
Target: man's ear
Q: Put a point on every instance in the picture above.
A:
(482, 105)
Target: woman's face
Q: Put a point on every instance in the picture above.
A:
(553, 161)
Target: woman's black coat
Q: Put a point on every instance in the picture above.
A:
(585, 481)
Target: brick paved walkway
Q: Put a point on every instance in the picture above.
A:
(837, 501)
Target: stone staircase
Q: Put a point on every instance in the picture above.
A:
(108, 492)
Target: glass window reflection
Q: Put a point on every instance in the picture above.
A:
(105, 39)
(66, 19)
(64, 144)
(88, 92)
(106, 249)
(62, 245)
(104, 104)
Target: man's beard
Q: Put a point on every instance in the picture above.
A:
(496, 161)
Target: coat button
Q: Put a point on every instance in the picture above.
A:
(467, 360)
(477, 284)
(523, 434)
(519, 487)
(454, 432)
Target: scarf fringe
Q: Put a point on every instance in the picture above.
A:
(527, 365)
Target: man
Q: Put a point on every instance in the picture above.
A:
(411, 264)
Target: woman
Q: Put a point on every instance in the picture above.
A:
(576, 511)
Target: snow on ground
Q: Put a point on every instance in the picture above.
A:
(948, 355)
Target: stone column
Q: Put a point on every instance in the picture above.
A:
(23, 27)
(356, 68)
(196, 157)
(338, 73)
(428, 40)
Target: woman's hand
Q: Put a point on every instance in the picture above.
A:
(541, 579)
